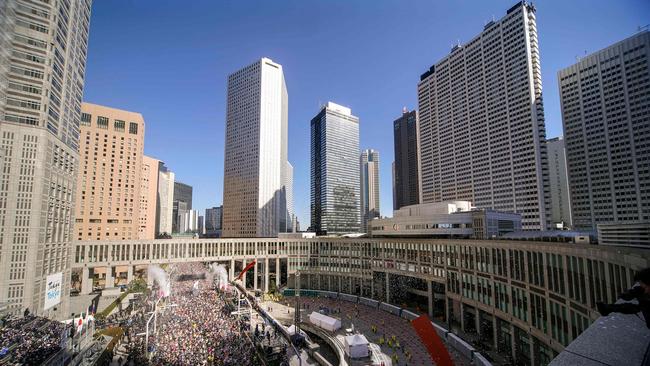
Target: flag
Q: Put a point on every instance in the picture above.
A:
(80, 324)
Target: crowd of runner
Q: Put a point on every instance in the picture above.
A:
(30, 340)
(194, 326)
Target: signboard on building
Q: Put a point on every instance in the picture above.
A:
(53, 289)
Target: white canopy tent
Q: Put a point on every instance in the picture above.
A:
(356, 346)
(324, 321)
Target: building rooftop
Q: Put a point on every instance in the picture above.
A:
(616, 339)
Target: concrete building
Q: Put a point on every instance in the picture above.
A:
(522, 300)
(255, 159)
(604, 100)
(165, 200)
(560, 205)
(148, 197)
(201, 225)
(455, 219)
(110, 174)
(42, 68)
(287, 225)
(482, 133)
(406, 181)
(629, 234)
(213, 220)
(182, 204)
(369, 174)
(335, 193)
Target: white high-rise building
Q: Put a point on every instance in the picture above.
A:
(43, 47)
(289, 198)
(369, 187)
(165, 200)
(482, 133)
(255, 159)
(560, 206)
(605, 99)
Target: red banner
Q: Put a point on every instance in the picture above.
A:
(249, 266)
(432, 341)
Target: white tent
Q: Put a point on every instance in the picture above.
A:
(356, 346)
(291, 330)
(324, 321)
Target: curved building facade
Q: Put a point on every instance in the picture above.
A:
(525, 300)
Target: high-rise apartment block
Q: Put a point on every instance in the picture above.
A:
(406, 181)
(109, 181)
(369, 175)
(335, 188)
(165, 200)
(148, 198)
(255, 162)
(43, 48)
(560, 205)
(482, 134)
(605, 104)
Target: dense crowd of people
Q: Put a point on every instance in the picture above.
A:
(194, 326)
(30, 340)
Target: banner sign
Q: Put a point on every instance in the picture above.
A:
(53, 289)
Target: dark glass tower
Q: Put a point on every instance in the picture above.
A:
(406, 187)
(335, 205)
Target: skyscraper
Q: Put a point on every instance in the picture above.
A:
(42, 67)
(181, 205)
(110, 171)
(482, 128)
(289, 199)
(335, 193)
(213, 220)
(165, 200)
(560, 206)
(255, 159)
(148, 197)
(369, 187)
(201, 227)
(605, 103)
(406, 187)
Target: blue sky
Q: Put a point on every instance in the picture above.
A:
(169, 60)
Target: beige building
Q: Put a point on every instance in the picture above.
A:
(148, 196)
(111, 151)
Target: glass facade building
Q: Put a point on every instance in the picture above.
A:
(335, 188)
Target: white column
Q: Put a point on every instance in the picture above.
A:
(266, 274)
(86, 281)
(110, 280)
(255, 275)
(278, 272)
(129, 274)
(388, 287)
(232, 269)
(243, 278)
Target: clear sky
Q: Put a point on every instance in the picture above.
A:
(169, 60)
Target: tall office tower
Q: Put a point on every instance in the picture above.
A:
(42, 65)
(369, 187)
(181, 204)
(148, 196)
(201, 226)
(335, 194)
(165, 200)
(605, 103)
(254, 195)
(213, 220)
(406, 182)
(109, 180)
(482, 134)
(560, 206)
(288, 226)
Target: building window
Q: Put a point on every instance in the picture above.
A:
(119, 125)
(85, 119)
(102, 122)
(133, 128)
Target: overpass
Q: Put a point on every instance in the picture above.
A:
(527, 299)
